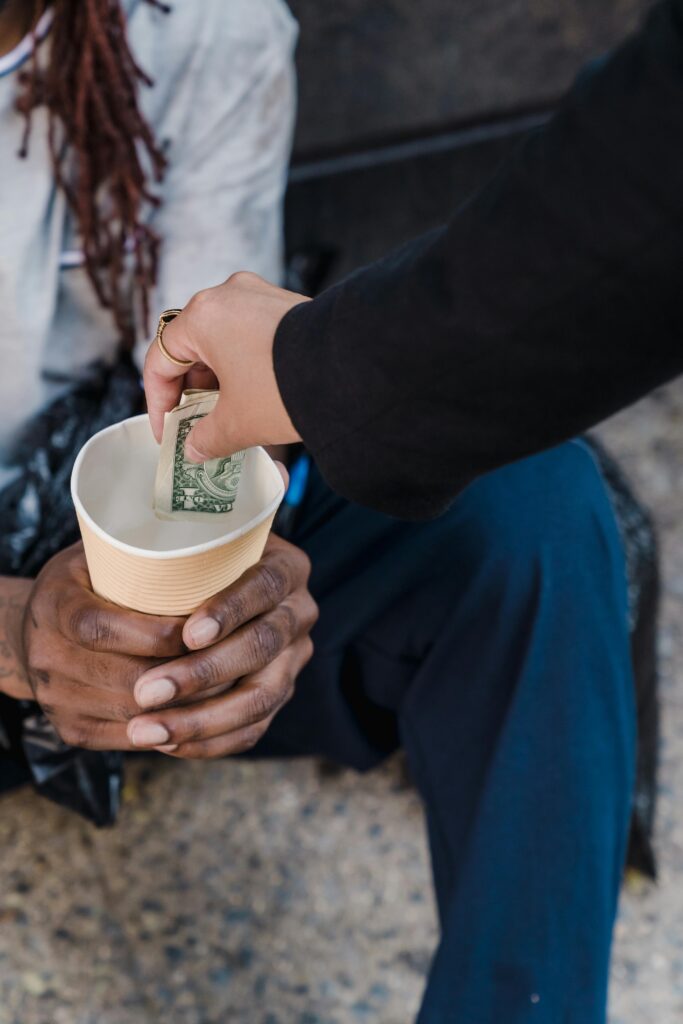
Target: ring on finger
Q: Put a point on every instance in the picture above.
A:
(164, 320)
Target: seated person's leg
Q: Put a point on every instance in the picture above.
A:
(493, 644)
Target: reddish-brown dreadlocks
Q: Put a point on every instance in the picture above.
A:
(102, 148)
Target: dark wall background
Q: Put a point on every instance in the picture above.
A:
(376, 68)
(407, 106)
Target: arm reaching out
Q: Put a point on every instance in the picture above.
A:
(550, 301)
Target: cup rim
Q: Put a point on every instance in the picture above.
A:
(194, 549)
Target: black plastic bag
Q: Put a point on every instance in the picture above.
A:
(639, 538)
(38, 520)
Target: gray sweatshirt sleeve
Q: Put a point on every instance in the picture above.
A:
(226, 120)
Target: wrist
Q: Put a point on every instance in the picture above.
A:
(14, 596)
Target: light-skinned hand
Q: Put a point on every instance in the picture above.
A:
(228, 332)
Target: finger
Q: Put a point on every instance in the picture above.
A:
(259, 589)
(60, 662)
(94, 734)
(163, 379)
(161, 393)
(246, 737)
(64, 696)
(198, 721)
(215, 435)
(97, 625)
(248, 650)
(228, 745)
(256, 700)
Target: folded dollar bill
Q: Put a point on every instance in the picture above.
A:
(186, 490)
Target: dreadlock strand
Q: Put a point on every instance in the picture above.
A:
(100, 146)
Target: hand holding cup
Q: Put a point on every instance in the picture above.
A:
(246, 647)
(100, 634)
(83, 655)
(97, 669)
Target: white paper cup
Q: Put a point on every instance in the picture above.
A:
(156, 566)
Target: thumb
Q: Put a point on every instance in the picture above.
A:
(214, 436)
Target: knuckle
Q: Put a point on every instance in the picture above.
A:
(122, 711)
(267, 640)
(206, 672)
(90, 627)
(167, 638)
(191, 752)
(311, 613)
(249, 738)
(305, 565)
(291, 625)
(74, 558)
(194, 731)
(232, 611)
(307, 650)
(47, 597)
(131, 669)
(35, 652)
(38, 677)
(34, 604)
(261, 703)
(241, 278)
(73, 733)
(273, 582)
(41, 607)
(200, 301)
(288, 690)
(200, 310)
(195, 750)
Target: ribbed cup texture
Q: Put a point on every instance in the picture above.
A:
(169, 586)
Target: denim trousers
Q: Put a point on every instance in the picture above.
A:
(492, 646)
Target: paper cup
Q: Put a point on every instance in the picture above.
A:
(155, 566)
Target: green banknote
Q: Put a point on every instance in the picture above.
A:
(186, 490)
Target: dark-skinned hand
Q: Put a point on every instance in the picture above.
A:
(209, 686)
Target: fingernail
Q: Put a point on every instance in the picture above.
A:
(204, 631)
(168, 749)
(151, 692)
(148, 734)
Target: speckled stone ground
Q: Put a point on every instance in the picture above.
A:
(278, 894)
(647, 974)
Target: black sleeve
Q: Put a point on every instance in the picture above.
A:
(552, 299)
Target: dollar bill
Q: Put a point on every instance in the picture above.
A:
(187, 490)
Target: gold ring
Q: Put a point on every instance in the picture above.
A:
(164, 320)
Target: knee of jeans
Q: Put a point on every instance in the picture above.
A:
(553, 505)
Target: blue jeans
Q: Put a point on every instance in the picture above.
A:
(492, 645)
